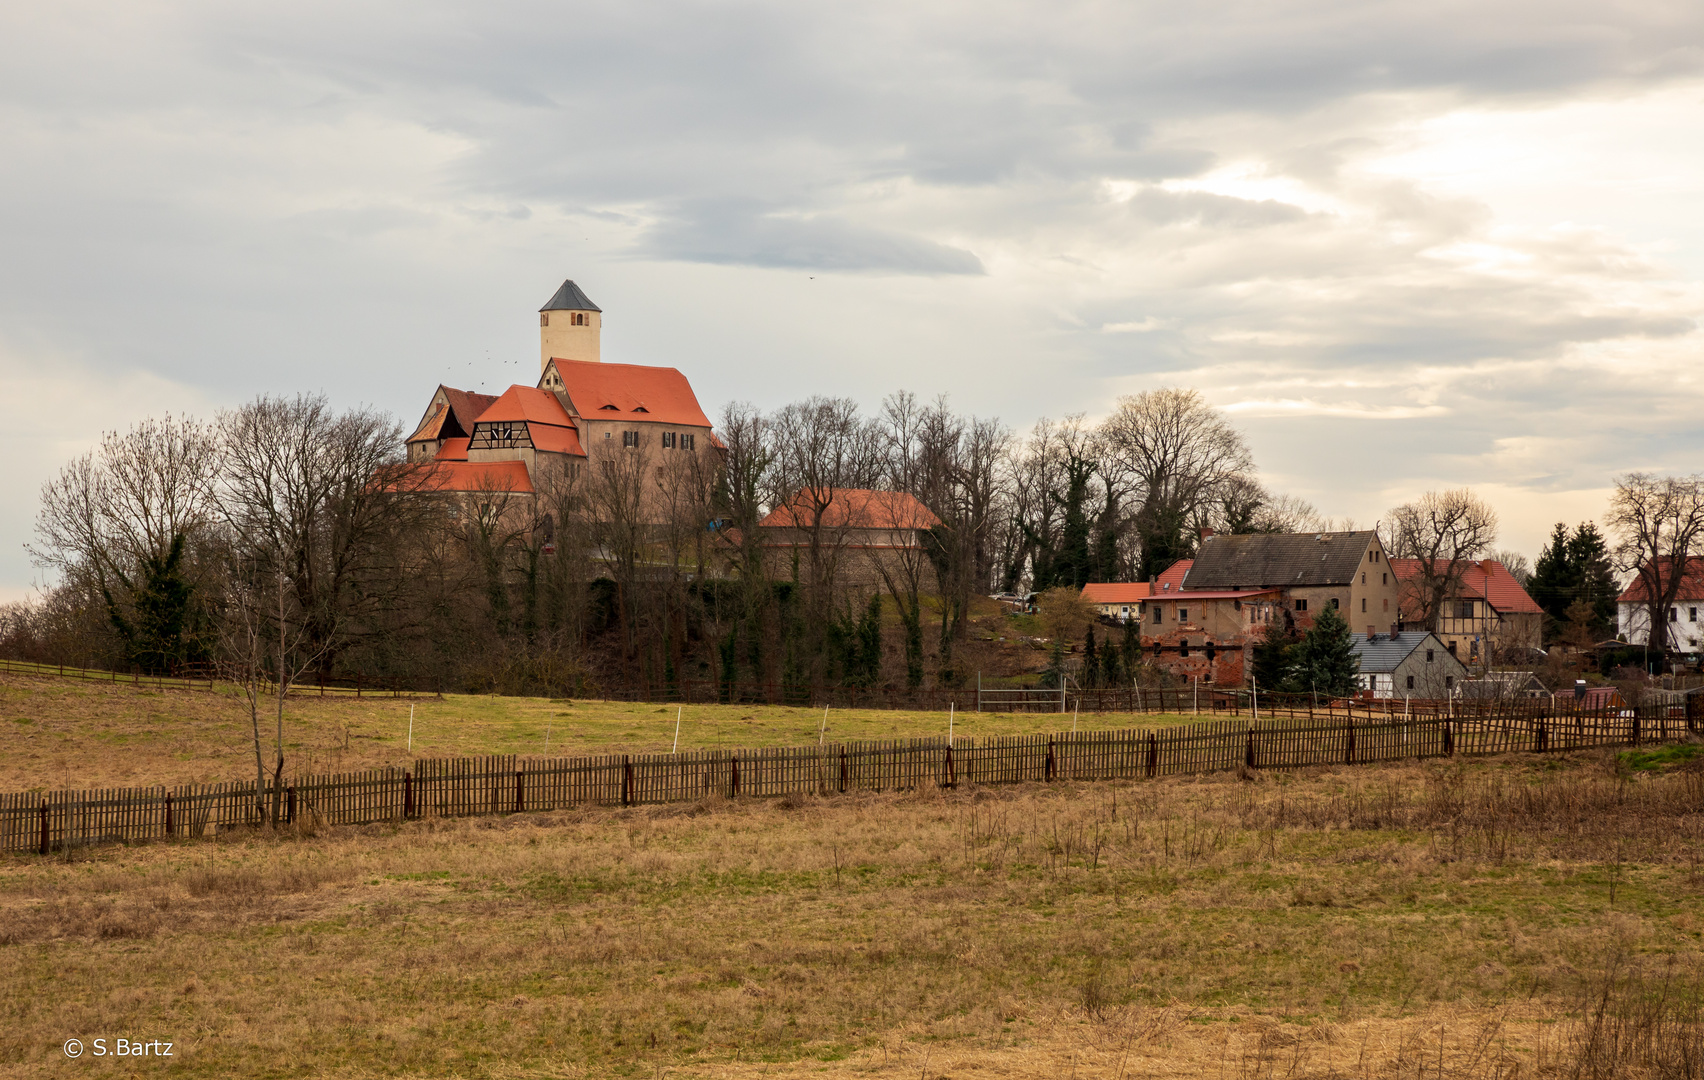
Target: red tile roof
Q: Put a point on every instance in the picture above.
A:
(482, 476)
(452, 450)
(526, 403)
(1486, 579)
(1173, 577)
(630, 391)
(1115, 592)
(433, 426)
(1214, 594)
(557, 440)
(1691, 584)
(855, 508)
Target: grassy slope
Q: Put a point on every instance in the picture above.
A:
(1208, 926)
(57, 733)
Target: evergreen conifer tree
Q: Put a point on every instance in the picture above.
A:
(1324, 661)
(1272, 657)
(1091, 659)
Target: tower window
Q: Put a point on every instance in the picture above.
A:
(544, 318)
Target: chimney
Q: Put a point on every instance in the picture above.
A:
(1395, 629)
(1372, 633)
(1206, 532)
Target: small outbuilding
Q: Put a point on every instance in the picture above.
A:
(1408, 663)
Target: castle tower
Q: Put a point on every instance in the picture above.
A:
(568, 327)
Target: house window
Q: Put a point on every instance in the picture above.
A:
(1674, 614)
(1410, 682)
(668, 440)
(1334, 603)
(1464, 610)
(630, 438)
(1449, 682)
(1428, 656)
(1363, 603)
(1301, 605)
(1183, 650)
(1159, 614)
(1182, 614)
(608, 434)
(1450, 645)
(1384, 579)
(1693, 616)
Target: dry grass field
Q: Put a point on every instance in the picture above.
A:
(61, 733)
(1495, 918)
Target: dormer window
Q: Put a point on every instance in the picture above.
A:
(610, 408)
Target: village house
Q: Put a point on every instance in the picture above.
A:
(1202, 617)
(580, 412)
(1408, 664)
(1117, 601)
(1485, 610)
(1633, 611)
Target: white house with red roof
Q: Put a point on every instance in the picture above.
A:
(1685, 631)
(580, 411)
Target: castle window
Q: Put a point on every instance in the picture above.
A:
(630, 438)
(687, 438)
(668, 440)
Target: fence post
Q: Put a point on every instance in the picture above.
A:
(407, 794)
(845, 771)
(290, 804)
(734, 779)
(1449, 740)
(950, 771)
(1153, 755)
(44, 827)
(168, 816)
(520, 787)
(1049, 771)
(1635, 732)
(1349, 746)
(626, 780)
(1248, 755)
(1543, 739)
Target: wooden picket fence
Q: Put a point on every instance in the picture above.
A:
(462, 787)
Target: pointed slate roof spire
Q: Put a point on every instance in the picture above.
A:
(570, 298)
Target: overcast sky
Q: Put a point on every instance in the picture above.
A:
(1408, 245)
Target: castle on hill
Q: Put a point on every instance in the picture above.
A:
(580, 411)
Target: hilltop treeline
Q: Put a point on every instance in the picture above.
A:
(287, 532)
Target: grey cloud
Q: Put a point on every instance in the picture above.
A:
(738, 236)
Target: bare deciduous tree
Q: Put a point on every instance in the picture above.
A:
(1444, 530)
(1660, 522)
(1179, 453)
(126, 523)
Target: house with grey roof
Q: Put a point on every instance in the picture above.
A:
(1203, 626)
(1408, 663)
(1345, 571)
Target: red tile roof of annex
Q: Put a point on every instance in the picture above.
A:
(1691, 584)
(1486, 579)
(478, 476)
(855, 508)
